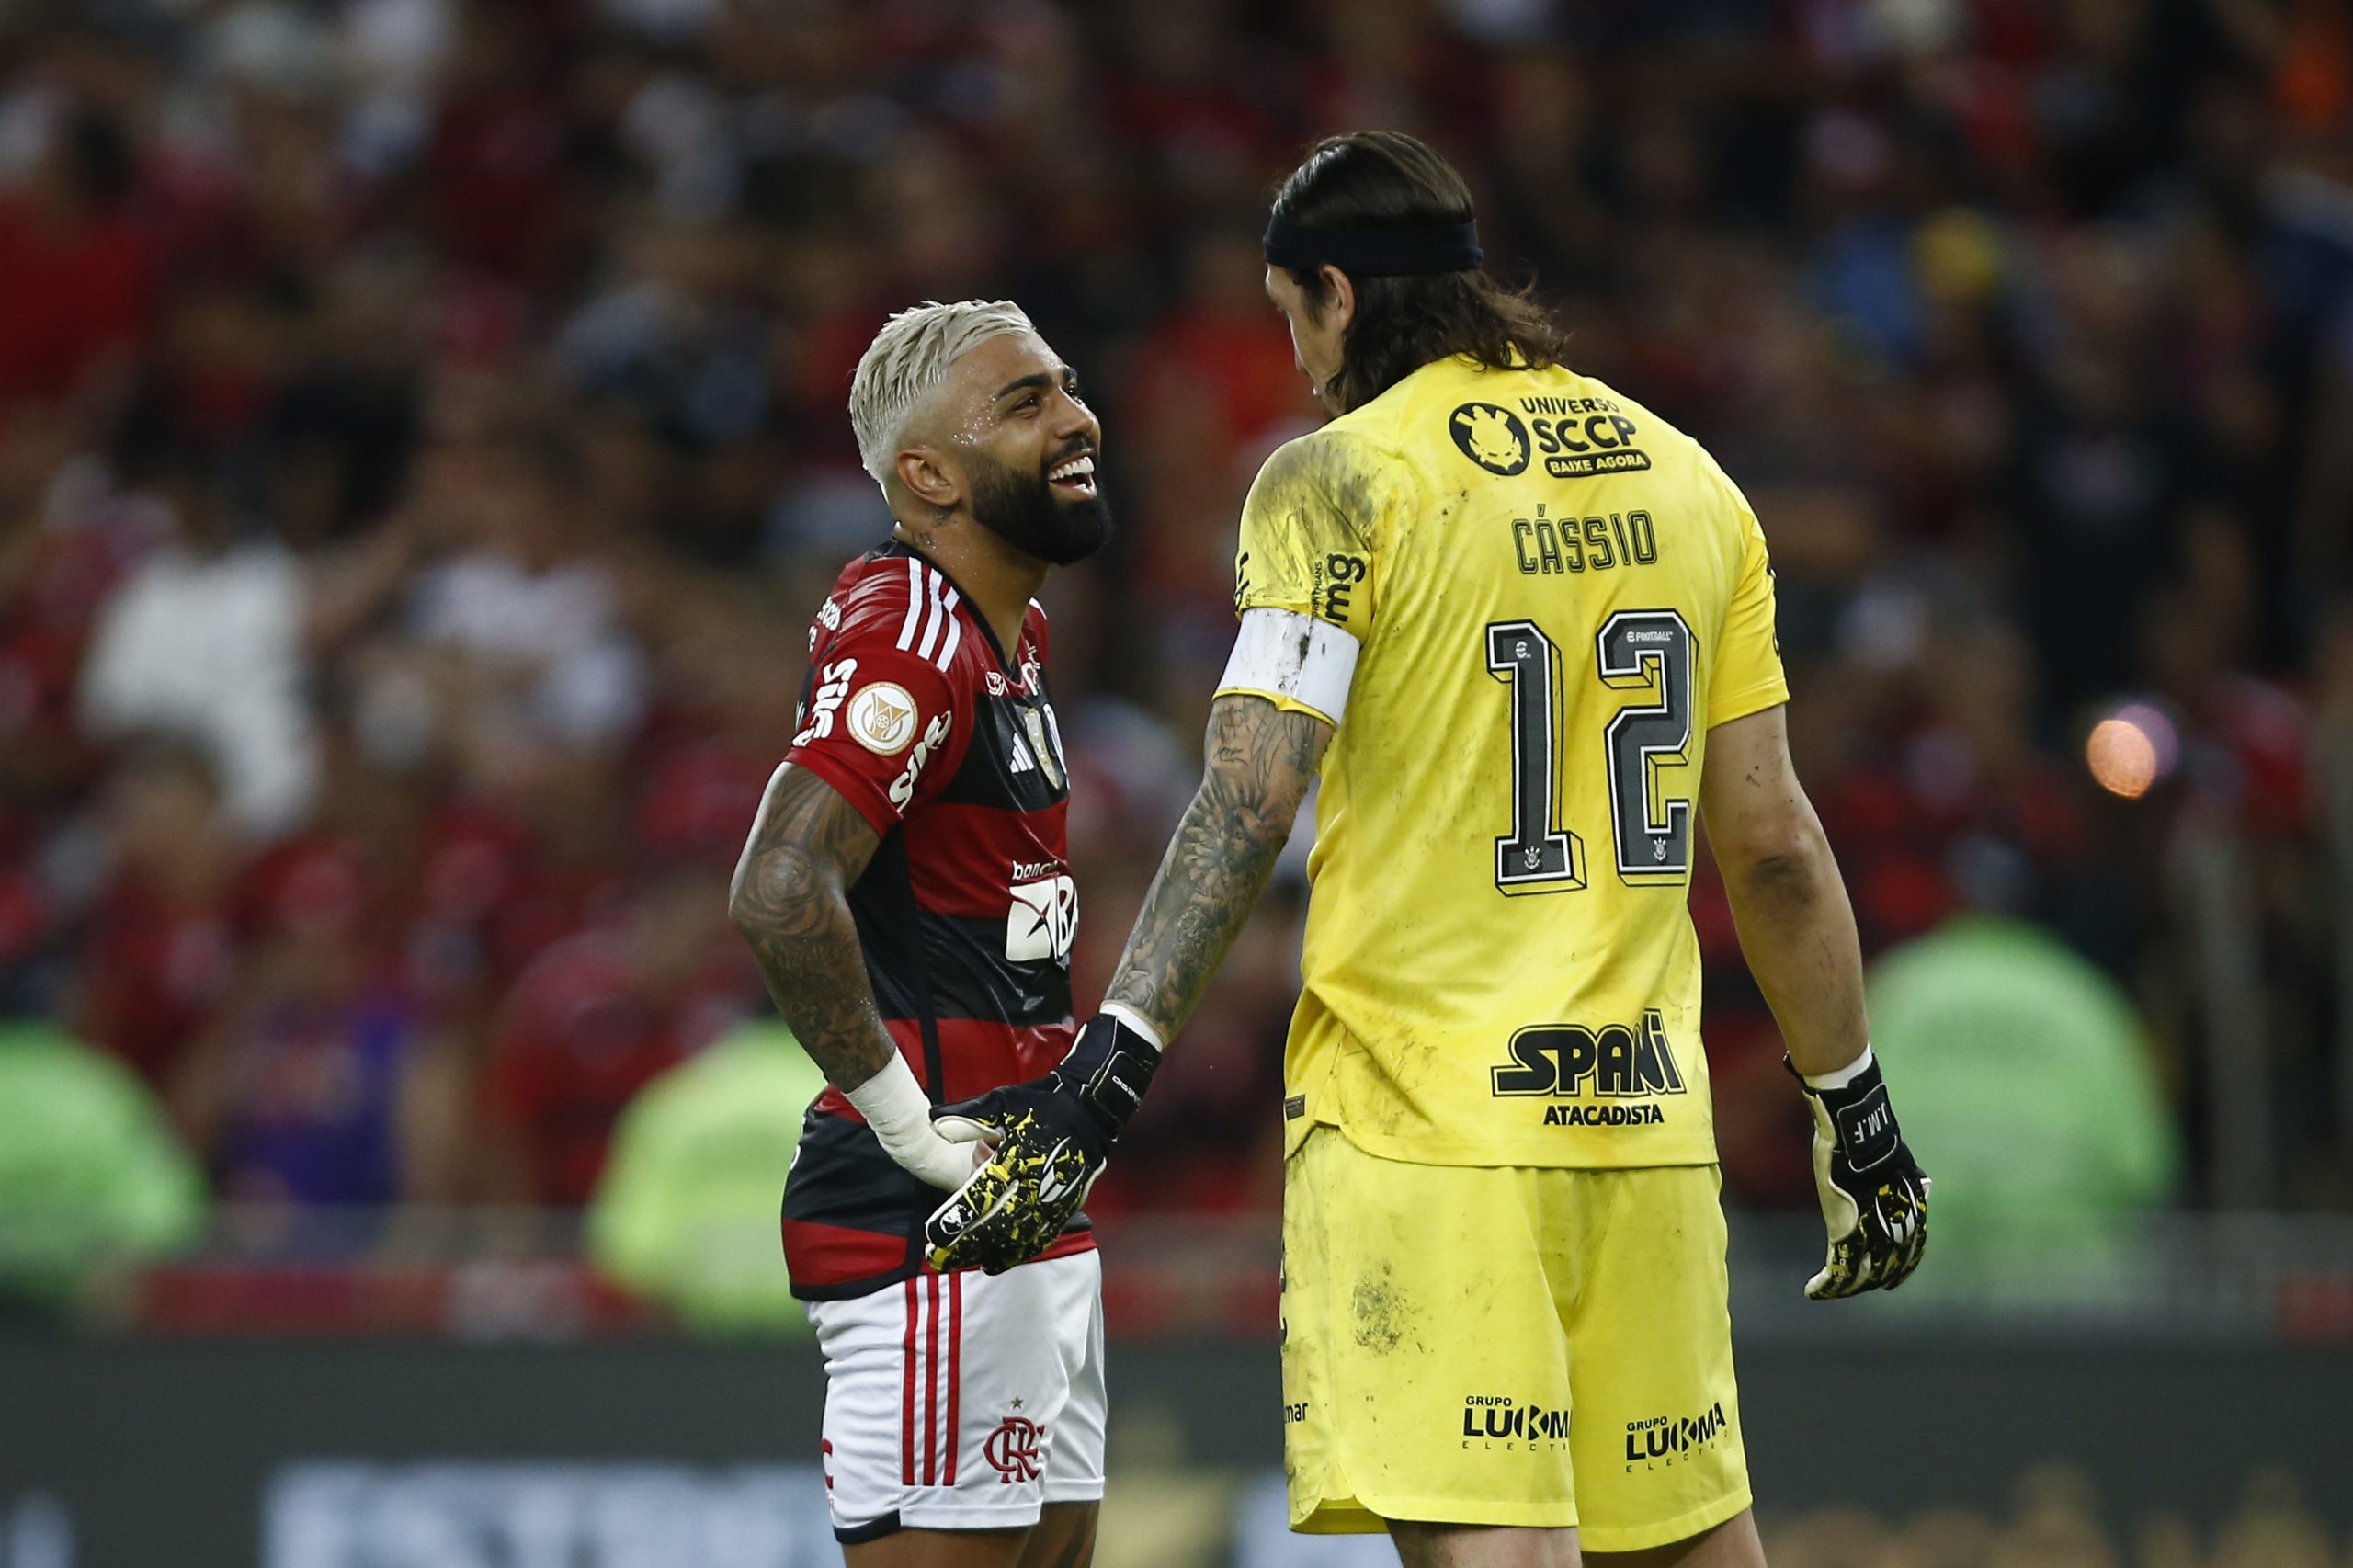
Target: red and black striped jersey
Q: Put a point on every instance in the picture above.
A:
(947, 744)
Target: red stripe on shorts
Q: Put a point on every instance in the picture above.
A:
(908, 1395)
(955, 1366)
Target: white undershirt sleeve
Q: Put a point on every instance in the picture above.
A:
(1294, 661)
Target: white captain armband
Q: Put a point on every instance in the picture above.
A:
(1294, 660)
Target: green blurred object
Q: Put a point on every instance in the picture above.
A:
(687, 1211)
(2028, 1091)
(90, 1170)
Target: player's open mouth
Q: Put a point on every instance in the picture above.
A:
(1074, 477)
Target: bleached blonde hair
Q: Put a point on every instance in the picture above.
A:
(908, 359)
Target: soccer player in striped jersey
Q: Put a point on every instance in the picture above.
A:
(906, 894)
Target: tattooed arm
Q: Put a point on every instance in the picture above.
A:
(1261, 759)
(791, 901)
(1060, 1130)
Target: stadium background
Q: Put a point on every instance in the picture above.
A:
(422, 447)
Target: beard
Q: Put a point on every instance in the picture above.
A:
(1024, 511)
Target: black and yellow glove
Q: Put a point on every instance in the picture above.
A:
(1874, 1194)
(1056, 1134)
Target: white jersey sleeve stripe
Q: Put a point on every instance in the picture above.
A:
(931, 618)
(915, 602)
(1293, 659)
(955, 631)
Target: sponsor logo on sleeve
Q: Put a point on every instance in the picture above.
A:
(882, 717)
(829, 617)
(833, 685)
(1336, 580)
(903, 788)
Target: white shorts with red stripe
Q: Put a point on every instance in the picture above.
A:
(964, 1401)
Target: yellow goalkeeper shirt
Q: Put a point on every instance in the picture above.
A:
(1554, 594)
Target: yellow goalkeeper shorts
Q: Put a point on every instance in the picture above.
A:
(1510, 1346)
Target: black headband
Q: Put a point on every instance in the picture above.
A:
(1375, 253)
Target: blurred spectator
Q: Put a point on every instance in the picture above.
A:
(78, 275)
(206, 637)
(2039, 1103)
(159, 952)
(598, 1017)
(325, 1081)
(530, 623)
(686, 1213)
(89, 1169)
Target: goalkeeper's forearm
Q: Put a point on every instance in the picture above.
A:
(1261, 760)
(1797, 930)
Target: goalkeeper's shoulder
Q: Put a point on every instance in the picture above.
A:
(1330, 455)
(1353, 474)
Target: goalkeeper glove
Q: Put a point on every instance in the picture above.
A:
(1874, 1194)
(1056, 1133)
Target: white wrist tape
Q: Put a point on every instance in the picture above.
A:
(893, 1102)
(1137, 1022)
(1845, 1075)
(1292, 657)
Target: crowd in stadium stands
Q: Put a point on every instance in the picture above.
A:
(423, 445)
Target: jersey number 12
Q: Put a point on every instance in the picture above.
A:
(1644, 649)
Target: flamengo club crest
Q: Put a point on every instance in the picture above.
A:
(1012, 1448)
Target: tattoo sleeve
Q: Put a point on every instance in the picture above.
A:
(789, 900)
(1261, 759)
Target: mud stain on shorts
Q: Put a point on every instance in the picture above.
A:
(1382, 1312)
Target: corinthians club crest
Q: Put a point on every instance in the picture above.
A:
(1491, 437)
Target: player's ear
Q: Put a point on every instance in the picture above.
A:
(926, 476)
(1340, 295)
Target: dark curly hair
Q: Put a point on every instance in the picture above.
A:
(1386, 179)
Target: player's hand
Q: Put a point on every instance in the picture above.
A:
(1056, 1133)
(935, 1155)
(1874, 1194)
(899, 1113)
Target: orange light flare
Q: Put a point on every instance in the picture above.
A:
(2131, 750)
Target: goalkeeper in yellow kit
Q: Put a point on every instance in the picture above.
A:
(1524, 628)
